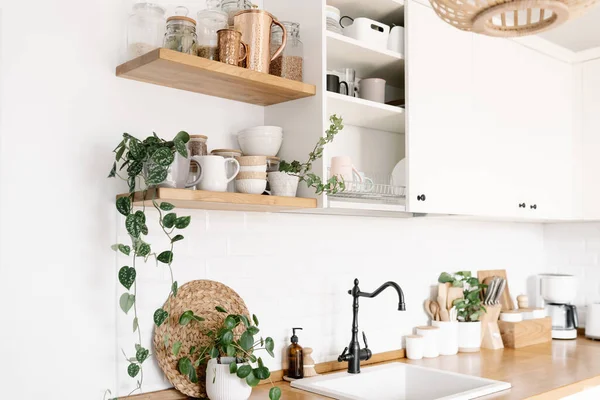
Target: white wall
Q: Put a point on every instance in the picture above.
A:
(295, 270)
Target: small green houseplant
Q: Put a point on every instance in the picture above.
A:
(234, 345)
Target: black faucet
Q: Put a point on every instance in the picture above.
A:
(356, 354)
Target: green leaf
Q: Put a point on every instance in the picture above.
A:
(177, 238)
(227, 338)
(253, 330)
(137, 150)
(133, 370)
(246, 341)
(160, 316)
(120, 152)
(220, 309)
(252, 380)
(181, 147)
(197, 318)
(230, 322)
(244, 371)
(124, 249)
(193, 376)
(214, 352)
(133, 226)
(186, 317)
(230, 350)
(185, 366)
(252, 358)
(232, 368)
(141, 217)
(182, 222)
(113, 171)
(270, 346)
(123, 205)
(261, 373)
(163, 157)
(260, 362)
(142, 249)
(274, 393)
(156, 174)
(165, 257)
(135, 324)
(245, 320)
(126, 302)
(169, 220)
(176, 348)
(135, 168)
(127, 277)
(466, 274)
(183, 136)
(166, 206)
(174, 289)
(255, 319)
(445, 278)
(141, 355)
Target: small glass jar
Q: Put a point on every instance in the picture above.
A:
(145, 29)
(181, 33)
(232, 7)
(290, 63)
(209, 22)
(198, 145)
(273, 164)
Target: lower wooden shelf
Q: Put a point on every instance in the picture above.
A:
(199, 199)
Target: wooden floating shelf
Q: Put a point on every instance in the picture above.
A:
(368, 62)
(196, 74)
(365, 113)
(199, 199)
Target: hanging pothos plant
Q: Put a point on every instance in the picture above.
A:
(144, 165)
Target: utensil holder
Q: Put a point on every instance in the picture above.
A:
(448, 337)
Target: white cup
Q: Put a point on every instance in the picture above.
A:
(431, 338)
(179, 173)
(396, 39)
(341, 166)
(448, 337)
(414, 347)
(253, 168)
(213, 173)
(372, 89)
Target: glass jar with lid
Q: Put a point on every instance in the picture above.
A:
(181, 32)
(209, 22)
(232, 7)
(290, 63)
(145, 29)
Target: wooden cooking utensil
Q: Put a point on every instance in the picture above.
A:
(428, 310)
(454, 293)
(505, 300)
(442, 301)
(435, 310)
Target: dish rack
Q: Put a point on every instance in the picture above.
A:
(374, 186)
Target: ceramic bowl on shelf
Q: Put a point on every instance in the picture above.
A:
(252, 163)
(251, 182)
(261, 141)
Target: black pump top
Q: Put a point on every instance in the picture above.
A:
(294, 337)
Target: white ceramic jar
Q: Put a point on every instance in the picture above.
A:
(430, 340)
(414, 347)
(448, 337)
(469, 337)
(223, 385)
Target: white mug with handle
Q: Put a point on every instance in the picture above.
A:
(213, 172)
(341, 166)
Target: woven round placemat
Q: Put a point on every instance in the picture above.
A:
(201, 297)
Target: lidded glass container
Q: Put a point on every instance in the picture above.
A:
(145, 29)
(290, 63)
(181, 32)
(209, 22)
(232, 7)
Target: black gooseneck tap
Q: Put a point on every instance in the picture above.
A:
(356, 354)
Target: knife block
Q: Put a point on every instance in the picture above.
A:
(526, 333)
(490, 332)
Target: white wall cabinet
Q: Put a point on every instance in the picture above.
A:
(590, 140)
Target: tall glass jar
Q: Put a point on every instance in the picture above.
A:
(209, 22)
(231, 7)
(181, 32)
(145, 29)
(290, 63)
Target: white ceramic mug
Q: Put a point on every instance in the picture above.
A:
(396, 39)
(179, 173)
(341, 166)
(372, 89)
(213, 173)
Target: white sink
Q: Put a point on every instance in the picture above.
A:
(399, 381)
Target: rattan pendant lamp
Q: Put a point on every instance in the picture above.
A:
(508, 18)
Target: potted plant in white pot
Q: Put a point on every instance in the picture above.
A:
(285, 181)
(469, 309)
(232, 368)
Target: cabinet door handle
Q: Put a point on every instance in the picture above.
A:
(533, 207)
(421, 197)
(522, 205)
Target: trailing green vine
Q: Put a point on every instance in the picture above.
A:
(147, 165)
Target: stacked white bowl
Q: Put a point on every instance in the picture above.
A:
(261, 140)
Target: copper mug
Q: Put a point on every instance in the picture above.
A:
(230, 46)
(255, 26)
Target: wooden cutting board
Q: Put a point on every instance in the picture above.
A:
(505, 300)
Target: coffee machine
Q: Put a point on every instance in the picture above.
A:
(555, 293)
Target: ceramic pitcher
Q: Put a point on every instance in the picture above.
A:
(255, 26)
(213, 173)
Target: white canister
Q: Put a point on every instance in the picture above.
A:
(414, 347)
(430, 340)
(592, 322)
(448, 337)
(511, 316)
(222, 384)
(469, 337)
(372, 89)
(396, 39)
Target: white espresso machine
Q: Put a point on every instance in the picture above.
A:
(555, 293)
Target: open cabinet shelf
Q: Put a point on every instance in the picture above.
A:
(203, 200)
(385, 11)
(196, 74)
(365, 113)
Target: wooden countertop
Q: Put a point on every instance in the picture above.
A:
(546, 371)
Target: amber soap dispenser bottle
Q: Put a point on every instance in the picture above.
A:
(295, 357)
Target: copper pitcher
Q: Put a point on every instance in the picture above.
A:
(255, 26)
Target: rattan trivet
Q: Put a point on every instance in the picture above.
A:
(201, 297)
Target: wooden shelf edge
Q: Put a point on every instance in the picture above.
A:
(224, 201)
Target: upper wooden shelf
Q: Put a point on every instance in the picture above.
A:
(196, 74)
(199, 199)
